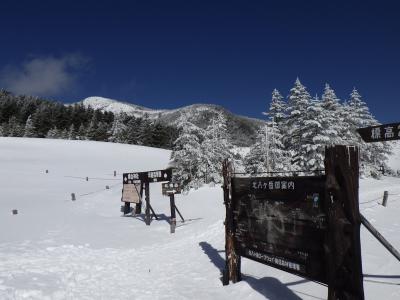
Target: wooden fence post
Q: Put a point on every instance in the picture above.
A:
(342, 246)
(73, 198)
(232, 259)
(385, 198)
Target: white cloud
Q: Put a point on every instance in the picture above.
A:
(43, 76)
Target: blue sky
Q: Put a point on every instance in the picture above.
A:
(166, 54)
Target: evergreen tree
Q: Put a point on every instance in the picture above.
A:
(81, 132)
(72, 132)
(53, 133)
(91, 132)
(187, 155)
(298, 102)
(256, 159)
(314, 139)
(4, 129)
(277, 108)
(215, 149)
(333, 123)
(15, 128)
(372, 155)
(117, 131)
(30, 130)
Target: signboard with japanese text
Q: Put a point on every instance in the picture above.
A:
(130, 193)
(281, 222)
(149, 176)
(171, 188)
(380, 133)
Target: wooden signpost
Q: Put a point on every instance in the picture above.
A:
(305, 225)
(145, 178)
(380, 133)
(170, 189)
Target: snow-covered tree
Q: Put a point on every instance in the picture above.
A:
(298, 102)
(372, 155)
(277, 108)
(81, 132)
(15, 128)
(91, 131)
(53, 133)
(311, 152)
(30, 130)
(333, 124)
(256, 160)
(72, 132)
(117, 131)
(215, 148)
(187, 155)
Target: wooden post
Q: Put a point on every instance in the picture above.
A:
(15, 211)
(342, 244)
(87, 178)
(385, 198)
(138, 208)
(380, 238)
(147, 198)
(127, 208)
(47, 171)
(73, 198)
(115, 173)
(173, 216)
(107, 187)
(232, 259)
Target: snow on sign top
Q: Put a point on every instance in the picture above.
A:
(148, 176)
(380, 133)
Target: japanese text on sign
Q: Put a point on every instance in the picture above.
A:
(273, 185)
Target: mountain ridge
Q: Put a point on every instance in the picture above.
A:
(242, 129)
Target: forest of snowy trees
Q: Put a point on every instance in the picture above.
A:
(298, 129)
(25, 116)
(293, 138)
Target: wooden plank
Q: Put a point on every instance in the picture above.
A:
(232, 258)
(282, 221)
(380, 238)
(380, 133)
(343, 248)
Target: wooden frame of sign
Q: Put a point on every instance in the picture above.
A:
(145, 179)
(305, 225)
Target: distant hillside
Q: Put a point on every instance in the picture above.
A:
(242, 129)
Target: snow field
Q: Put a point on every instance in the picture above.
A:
(56, 248)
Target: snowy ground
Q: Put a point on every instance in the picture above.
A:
(55, 248)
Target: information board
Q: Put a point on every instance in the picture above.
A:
(281, 222)
(148, 176)
(130, 193)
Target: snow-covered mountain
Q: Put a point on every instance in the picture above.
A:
(242, 130)
(106, 104)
